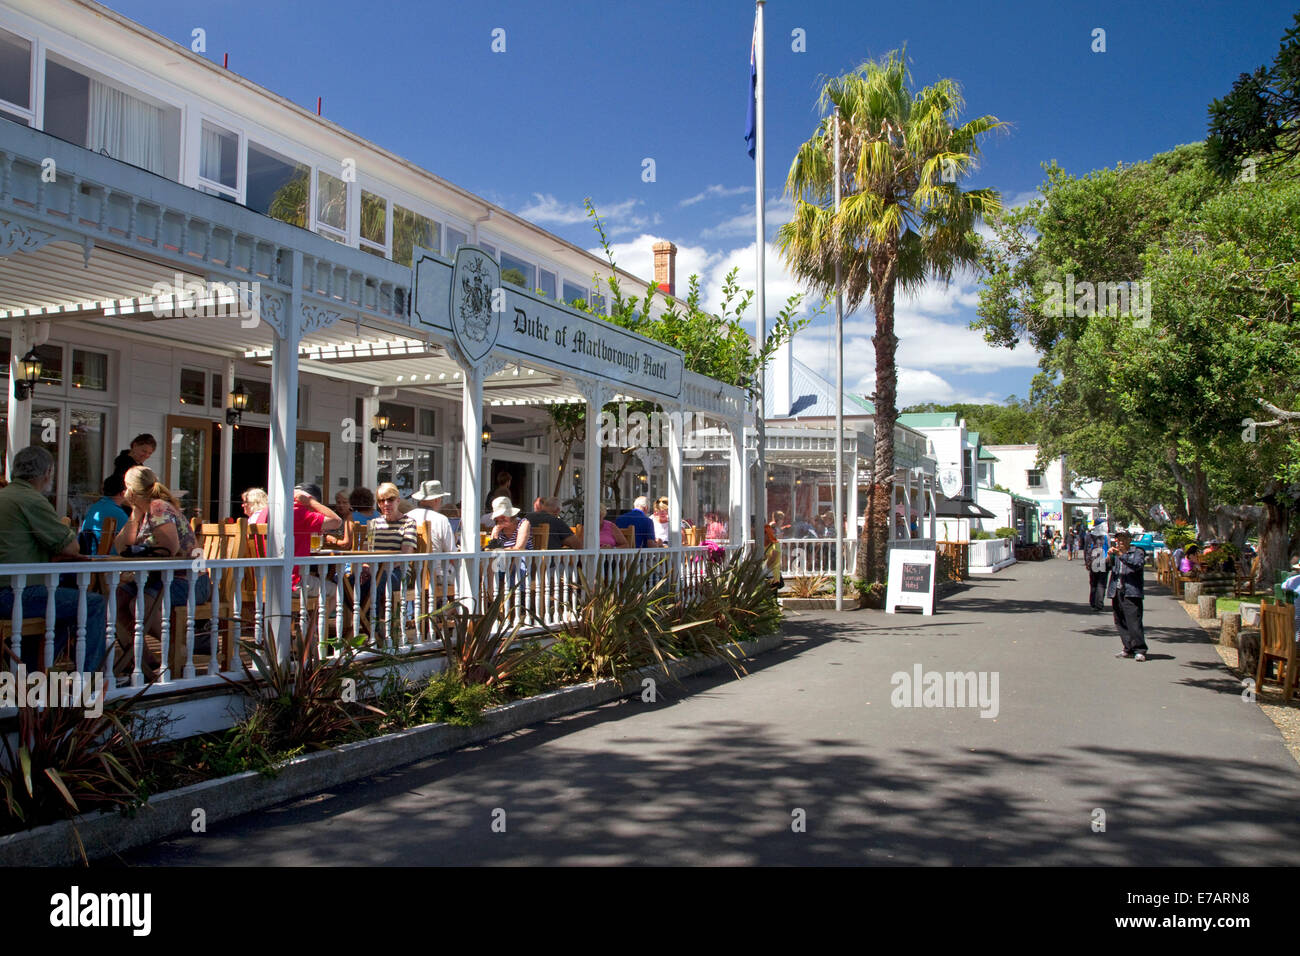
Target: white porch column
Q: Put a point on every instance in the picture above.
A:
(746, 513)
(369, 450)
(20, 413)
(850, 492)
(471, 478)
(592, 476)
(736, 484)
(227, 451)
(281, 479)
(674, 469)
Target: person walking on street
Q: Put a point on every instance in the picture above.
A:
(1071, 543)
(1095, 558)
(1126, 565)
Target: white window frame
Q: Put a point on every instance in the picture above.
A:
(241, 164)
(35, 93)
(324, 229)
(386, 250)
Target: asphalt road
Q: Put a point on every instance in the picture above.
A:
(724, 771)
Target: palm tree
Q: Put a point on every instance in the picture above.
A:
(902, 220)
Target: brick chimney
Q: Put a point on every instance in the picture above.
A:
(666, 267)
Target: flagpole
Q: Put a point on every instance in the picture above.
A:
(839, 388)
(760, 494)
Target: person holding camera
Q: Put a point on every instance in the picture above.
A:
(1126, 565)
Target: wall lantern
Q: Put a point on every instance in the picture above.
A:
(487, 436)
(380, 423)
(236, 405)
(29, 372)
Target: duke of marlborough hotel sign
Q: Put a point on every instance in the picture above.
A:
(469, 301)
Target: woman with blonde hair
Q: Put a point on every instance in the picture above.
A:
(156, 528)
(257, 506)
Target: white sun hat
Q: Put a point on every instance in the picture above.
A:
(501, 508)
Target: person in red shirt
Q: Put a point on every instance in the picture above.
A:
(309, 517)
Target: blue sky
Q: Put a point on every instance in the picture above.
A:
(586, 90)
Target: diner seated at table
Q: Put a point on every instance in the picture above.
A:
(546, 513)
(34, 534)
(156, 526)
(310, 517)
(716, 530)
(640, 522)
(391, 531)
(109, 506)
(257, 506)
(509, 533)
(343, 509)
(660, 518)
(1191, 561)
(363, 505)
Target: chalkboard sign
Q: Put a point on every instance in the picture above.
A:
(916, 579)
(911, 580)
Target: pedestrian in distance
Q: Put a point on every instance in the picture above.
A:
(1095, 559)
(1126, 565)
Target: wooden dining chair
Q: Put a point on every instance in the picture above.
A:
(219, 543)
(1277, 648)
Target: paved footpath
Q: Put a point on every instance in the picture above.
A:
(715, 772)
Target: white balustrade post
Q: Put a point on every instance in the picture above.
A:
(471, 481)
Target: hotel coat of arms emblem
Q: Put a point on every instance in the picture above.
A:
(475, 279)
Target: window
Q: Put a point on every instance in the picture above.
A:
(277, 187)
(51, 357)
(374, 223)
(331, 207)
(1034, 478)
(16, 78)
(598, 303)
(410, 229)
(90, 370)
(572, 292)
(428, 422)
(100, 117)
(455, 238)
(259, 396)
(546, 283)
(219, 160)
(518, 272)
(401, 418)
(194, 386)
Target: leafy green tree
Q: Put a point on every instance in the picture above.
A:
(1259, 118)
(903, 219)
(712, 344)
(1138, 403)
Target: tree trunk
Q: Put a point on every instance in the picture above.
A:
(880, 506)
(1196, 488)
(1274, 536)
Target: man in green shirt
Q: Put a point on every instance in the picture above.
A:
(33, 534)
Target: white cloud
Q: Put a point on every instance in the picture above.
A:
(779, 211)
(545, 208)
(715, 191)
(637, 257)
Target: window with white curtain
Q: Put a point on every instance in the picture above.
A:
(126, 128)
(219, 160)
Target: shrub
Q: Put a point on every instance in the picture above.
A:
(1011, 533)
(809, 586)
(486, 648)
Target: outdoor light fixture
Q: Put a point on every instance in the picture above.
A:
(770, 477)
(487, 436)
(577, 475)
(29, 371)
(381, 425)
(236, 404)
